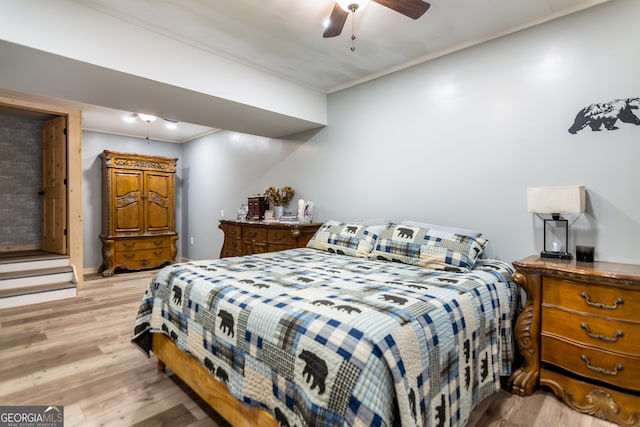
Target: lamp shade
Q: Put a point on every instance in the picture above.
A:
(556, 200)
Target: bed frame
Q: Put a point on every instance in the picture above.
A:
(212, 391)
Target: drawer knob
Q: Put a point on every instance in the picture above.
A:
(617, 334)
(615, 304)
(129, 245)
(600, 370)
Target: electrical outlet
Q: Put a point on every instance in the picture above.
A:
(191, 240)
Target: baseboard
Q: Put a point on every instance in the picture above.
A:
(90, 270)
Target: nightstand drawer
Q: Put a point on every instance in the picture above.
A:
(615, 369)
(599, 300)
(607, 334)
(280, 237)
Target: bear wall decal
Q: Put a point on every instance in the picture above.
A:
(606, 114)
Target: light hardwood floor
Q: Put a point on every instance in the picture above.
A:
(77, 353)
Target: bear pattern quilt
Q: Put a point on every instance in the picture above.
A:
(322, 339)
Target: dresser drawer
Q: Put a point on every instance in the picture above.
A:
(255, 233)
(615, 369)
(592, 299)
(233, 247)
(608, 334)
(280, 237)
(253, 248)
(233, 231)
(149, 255)
(142, 243)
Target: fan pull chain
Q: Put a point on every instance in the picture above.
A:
(353, 8)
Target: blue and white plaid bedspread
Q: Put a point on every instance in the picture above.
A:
(330, 340)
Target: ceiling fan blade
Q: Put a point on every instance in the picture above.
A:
(414, 9)
(336, 22)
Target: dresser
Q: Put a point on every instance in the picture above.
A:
(255, 237)
(579, 335)
(138, 211)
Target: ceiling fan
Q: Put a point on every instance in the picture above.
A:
(414, 9)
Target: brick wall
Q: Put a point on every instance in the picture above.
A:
(20, 169)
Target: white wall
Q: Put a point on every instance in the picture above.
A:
(457, 141)
(220, 171)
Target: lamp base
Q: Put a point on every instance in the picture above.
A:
(557, 255)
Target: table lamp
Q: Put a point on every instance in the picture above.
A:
(550, 203)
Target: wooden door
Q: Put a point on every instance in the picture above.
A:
(128, 193)
(54, 185)
(159, 202)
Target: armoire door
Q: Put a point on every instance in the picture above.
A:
(158, 201)
(128, 206)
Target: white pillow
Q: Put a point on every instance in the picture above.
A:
(455, 230)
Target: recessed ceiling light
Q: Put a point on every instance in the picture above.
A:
(147, 117)
(130, 118)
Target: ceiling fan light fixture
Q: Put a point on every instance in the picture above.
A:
(348, 5)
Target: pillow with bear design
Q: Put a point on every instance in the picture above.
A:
(351, 239)
(435, 249)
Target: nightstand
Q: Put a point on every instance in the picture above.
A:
(579, 334)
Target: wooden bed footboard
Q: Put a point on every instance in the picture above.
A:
(206, 386)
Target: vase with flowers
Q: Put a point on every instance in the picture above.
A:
(279, 198)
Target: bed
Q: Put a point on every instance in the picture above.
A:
(382, 325)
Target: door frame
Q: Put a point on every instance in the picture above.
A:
(74, 174)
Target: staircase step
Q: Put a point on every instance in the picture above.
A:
(36, 294)
(33, 262)
(36, 277)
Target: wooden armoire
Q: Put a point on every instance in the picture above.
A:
(138, 211)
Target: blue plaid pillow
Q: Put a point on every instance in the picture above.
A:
(345, 239)
(435, 249)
